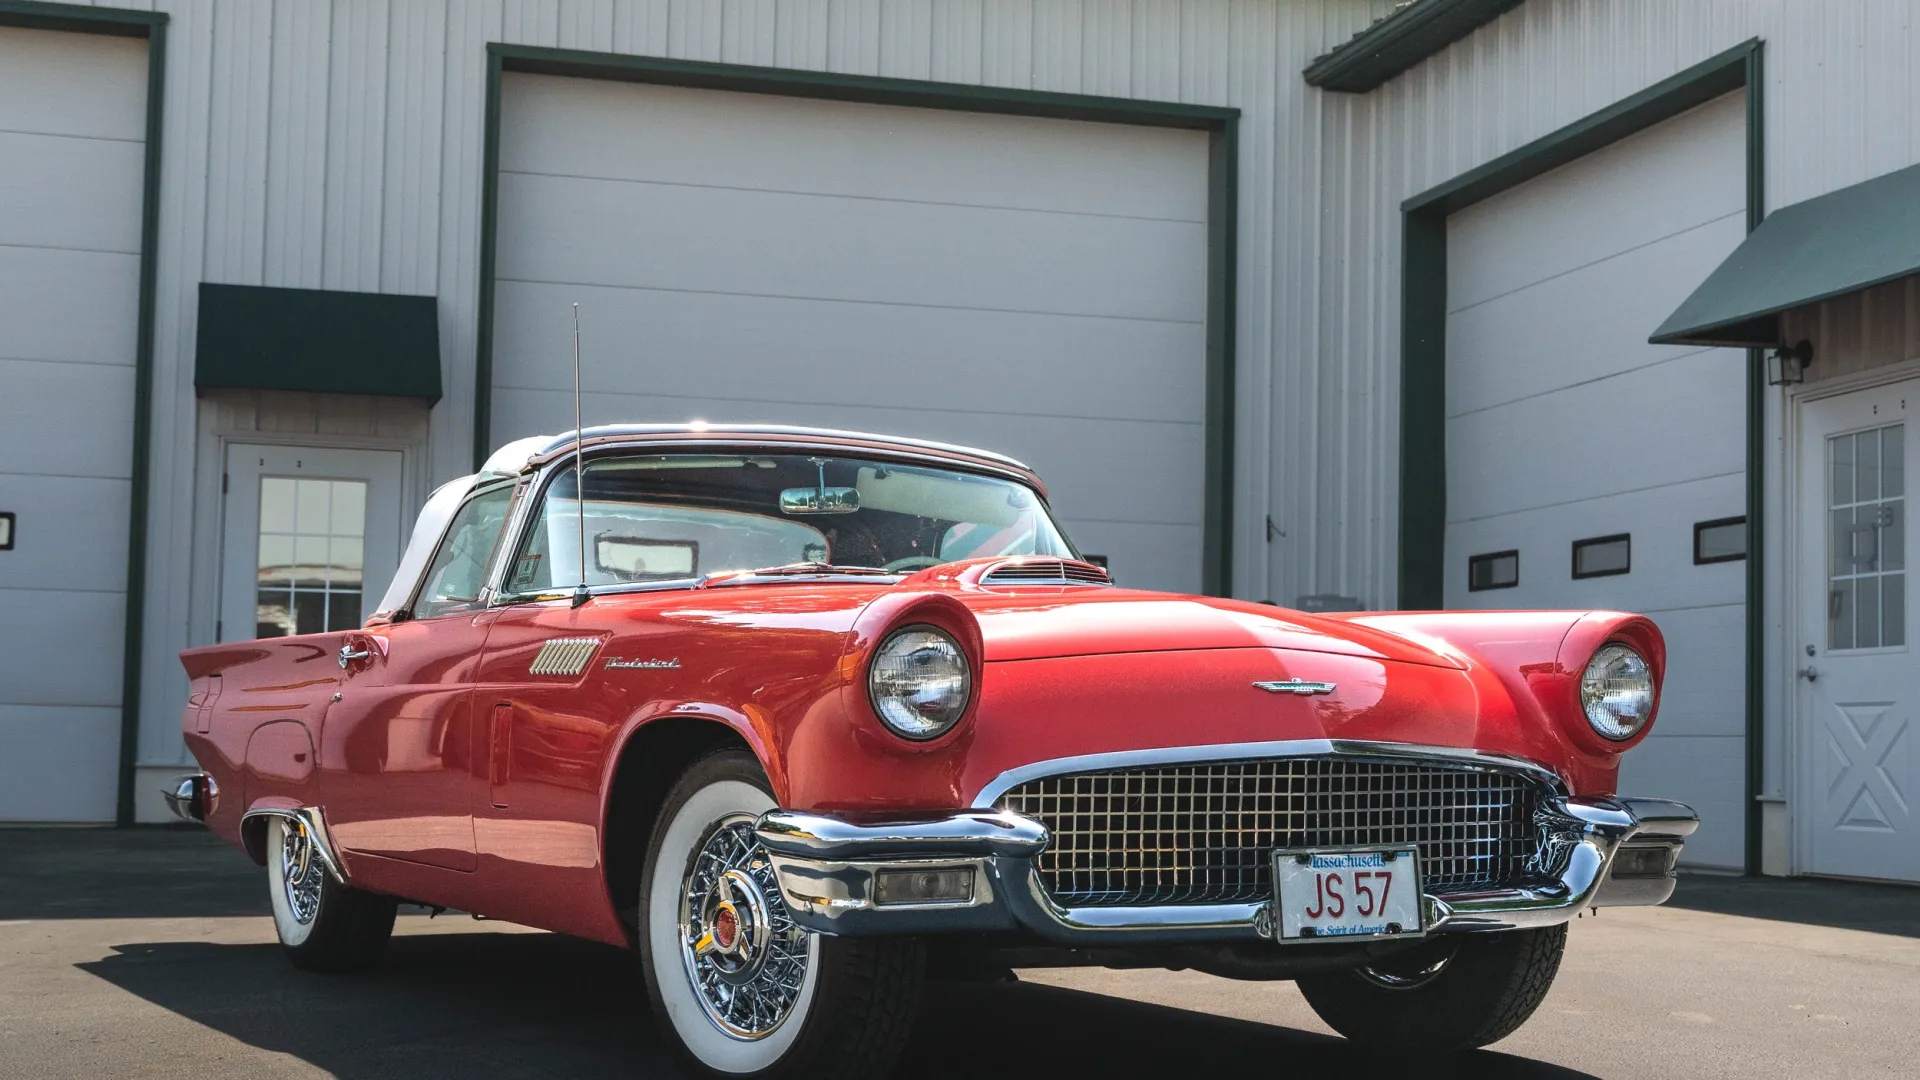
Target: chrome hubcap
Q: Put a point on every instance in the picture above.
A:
(745, 955)
(300, 871)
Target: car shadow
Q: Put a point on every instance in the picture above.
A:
(1879, 908)
(482, 1005)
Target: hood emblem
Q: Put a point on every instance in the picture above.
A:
(1297, 686)
(620, 662)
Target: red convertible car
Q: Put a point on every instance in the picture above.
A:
(803, 715)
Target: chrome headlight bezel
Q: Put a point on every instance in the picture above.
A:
(1617, 692)
(933, 715)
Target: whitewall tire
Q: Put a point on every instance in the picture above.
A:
(741, 990)
(322, 924)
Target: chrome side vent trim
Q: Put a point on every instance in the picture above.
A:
(564, 656)
(1045, 571)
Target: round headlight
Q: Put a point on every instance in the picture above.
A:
(1617, 692)
(919, 683)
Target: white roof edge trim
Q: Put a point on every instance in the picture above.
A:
(511, 459)
(432, 522)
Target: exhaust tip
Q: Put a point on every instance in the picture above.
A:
(192, 797)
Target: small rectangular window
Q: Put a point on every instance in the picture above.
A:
(1494, 570)
(1603, 556)
(1719, 540)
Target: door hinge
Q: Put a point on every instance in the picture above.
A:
(224, 479)
(217, 628)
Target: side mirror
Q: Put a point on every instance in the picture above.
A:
(819, 500)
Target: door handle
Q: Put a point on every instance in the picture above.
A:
(1810, 673)
(349, 655)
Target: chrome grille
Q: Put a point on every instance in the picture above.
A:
(1206, 832)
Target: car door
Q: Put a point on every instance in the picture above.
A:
(399, 744)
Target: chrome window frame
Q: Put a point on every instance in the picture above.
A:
(405, 613)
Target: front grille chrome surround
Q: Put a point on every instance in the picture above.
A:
(1205, 832)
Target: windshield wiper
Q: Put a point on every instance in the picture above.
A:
(802, 568)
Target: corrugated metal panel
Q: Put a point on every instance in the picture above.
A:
(368, 177)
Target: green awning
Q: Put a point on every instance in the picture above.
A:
(1838, 243)
(255, 338)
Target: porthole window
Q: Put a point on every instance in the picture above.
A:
(1719, 540)
(1494, 570)
(1603, 556)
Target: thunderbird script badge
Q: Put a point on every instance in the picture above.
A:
(1297, 686)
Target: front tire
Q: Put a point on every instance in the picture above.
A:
(323, 925)
(744, 991)
(1453, 993)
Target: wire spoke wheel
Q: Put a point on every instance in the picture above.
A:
(744, 954)
(300, 871)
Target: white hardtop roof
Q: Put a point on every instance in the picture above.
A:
(502, 462)
(514, 458)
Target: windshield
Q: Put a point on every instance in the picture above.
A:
(671, 517)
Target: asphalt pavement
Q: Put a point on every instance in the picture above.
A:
(148, 953)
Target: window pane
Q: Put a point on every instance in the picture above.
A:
(344, 561)
(313, 505)
(1866, 484)
(349, 515)
(1720, 542)
(1840, 542)
(1893, 609)
(1600, 556)
(1499, 570)
(276, 559)
(309, 611)
(276, 504)
(1893, 461)
(1866, 623)
(310, 562)
(1842, 446)
(273, 613)
(1840, 615)
(343, 609)
(459, 568)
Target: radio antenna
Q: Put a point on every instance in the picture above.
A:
(580, 594)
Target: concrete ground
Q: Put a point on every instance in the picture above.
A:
(148, 953)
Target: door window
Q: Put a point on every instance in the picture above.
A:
(1867, 539)
(310, 555)
(459, 569)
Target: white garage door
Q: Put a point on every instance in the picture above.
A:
(1563, 424)
(72, 125)
(1036, 287)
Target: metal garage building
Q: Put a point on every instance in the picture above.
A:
(1339, 299)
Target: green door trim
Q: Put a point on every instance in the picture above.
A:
(1423, 347)
(151, 25)
(1221, 125)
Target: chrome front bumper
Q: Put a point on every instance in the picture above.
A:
(1610, 853)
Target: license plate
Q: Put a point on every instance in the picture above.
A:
(1347, 893)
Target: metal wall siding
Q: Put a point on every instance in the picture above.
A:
(297, 144)
(338, 145)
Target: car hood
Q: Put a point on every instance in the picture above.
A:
(1036, 624)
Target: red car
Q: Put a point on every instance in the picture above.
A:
(801, 715)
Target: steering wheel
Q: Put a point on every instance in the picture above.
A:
(915, 562)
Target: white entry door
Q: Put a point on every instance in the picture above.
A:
(1859, 681)
(310, 534)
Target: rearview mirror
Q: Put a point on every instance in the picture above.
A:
(819, 500)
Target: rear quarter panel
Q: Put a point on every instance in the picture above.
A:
(260, 731)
